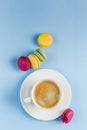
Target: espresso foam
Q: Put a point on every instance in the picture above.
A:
(47, 94)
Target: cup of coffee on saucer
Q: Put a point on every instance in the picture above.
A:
(45, 94)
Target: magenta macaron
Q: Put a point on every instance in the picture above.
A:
(23, 63)
(67, 115)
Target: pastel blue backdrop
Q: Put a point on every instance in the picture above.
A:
(20, 23)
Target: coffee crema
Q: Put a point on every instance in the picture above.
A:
(47, 94)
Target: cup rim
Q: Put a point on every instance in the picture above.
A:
(33, 98)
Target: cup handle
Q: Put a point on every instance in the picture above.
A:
(27, 100)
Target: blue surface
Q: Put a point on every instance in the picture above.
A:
(20, 23)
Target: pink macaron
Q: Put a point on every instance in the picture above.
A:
(67, 115)
(23, 63)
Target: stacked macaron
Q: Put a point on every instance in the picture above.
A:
(23, 63)
(40, 54)
(32, 61)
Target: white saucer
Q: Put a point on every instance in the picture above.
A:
(36, 112)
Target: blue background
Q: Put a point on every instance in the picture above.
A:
(20, 23)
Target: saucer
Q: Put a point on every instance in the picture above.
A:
(45, 114)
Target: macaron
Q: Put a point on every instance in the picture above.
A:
(67, 115)
(45, 40)
(34, 60)
(40, 54)
(23, 63)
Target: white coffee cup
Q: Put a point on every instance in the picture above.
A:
(31, 98)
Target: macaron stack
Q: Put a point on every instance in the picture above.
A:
(32, 61)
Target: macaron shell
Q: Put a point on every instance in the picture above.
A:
(35, 62)
(40, 54)
(67, 115)
(45, 40)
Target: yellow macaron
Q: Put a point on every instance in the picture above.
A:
(45, 40)
(35, 62)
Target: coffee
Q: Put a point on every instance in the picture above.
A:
(47, 94)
